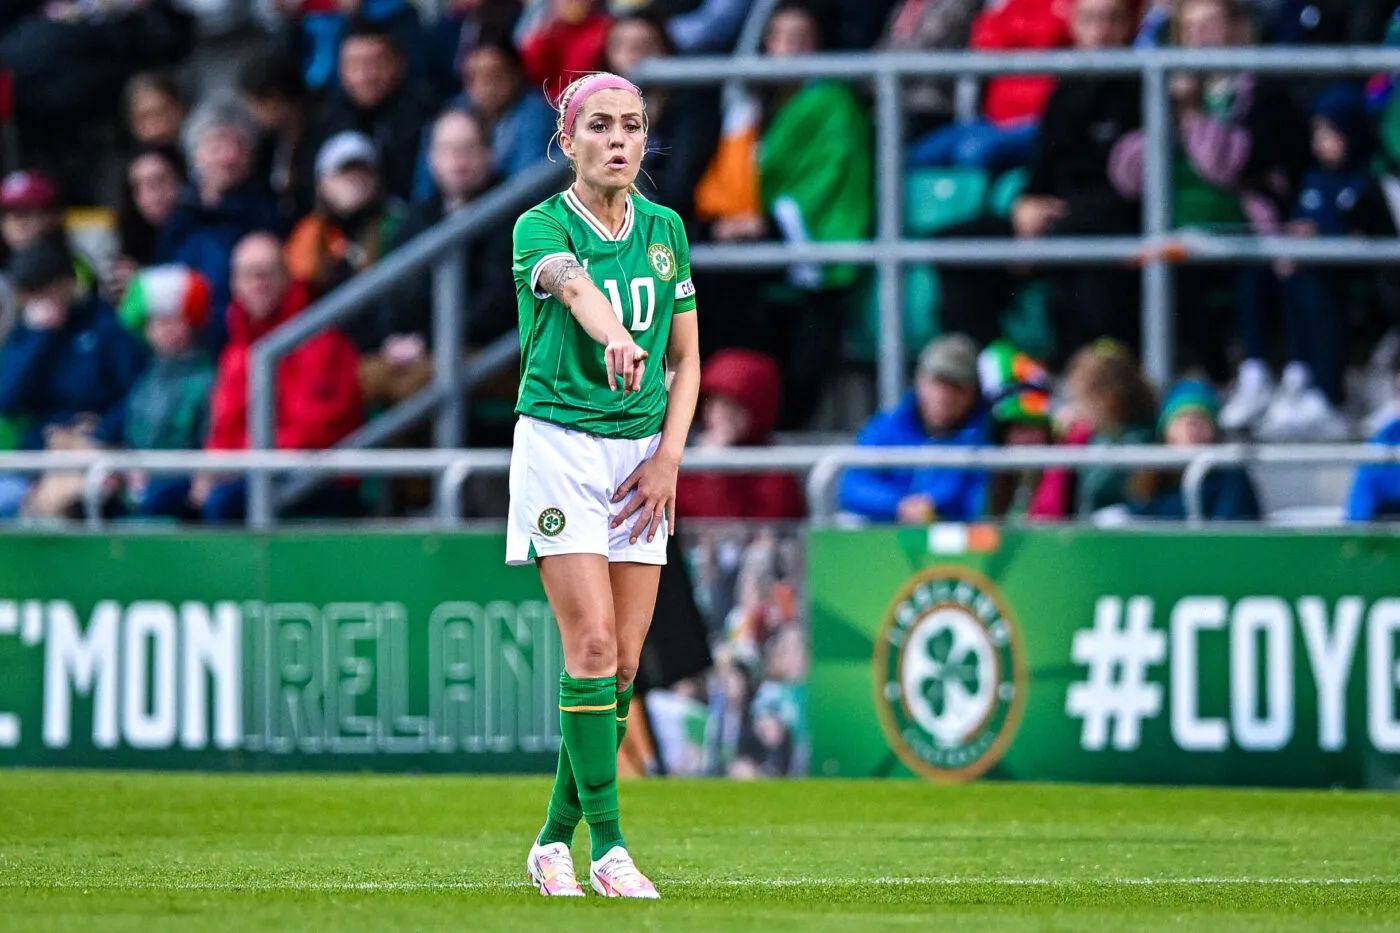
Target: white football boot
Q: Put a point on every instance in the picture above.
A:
(551, 870)
(616, 875)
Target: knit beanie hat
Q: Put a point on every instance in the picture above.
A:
(161, 291)
(1189, 395)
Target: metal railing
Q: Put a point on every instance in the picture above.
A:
(889, 252)
(441, 249)
(822, 465)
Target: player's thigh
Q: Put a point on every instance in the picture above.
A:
(559, 490)
(624, 456)
(634, 589)
(579, 589)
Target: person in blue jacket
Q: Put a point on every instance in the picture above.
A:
(944, 409)
(1375, 493)
(69, 358)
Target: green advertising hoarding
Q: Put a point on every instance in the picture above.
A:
(1219, 658)
(335, 651)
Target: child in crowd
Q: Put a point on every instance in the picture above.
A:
(1016, 389)
(1190, 419)
(168, 408)
(1304, 406)
(1109, 402)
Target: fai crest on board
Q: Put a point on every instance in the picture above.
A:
(663, 261)
(950, 680)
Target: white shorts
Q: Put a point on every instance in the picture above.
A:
(561, 488)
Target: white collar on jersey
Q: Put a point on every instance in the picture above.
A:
(598, 227)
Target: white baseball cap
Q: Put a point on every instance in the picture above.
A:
(343, 150)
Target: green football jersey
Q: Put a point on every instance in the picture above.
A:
(644, 272)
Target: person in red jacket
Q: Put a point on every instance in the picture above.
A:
(569, 43)
(742, 395)
(1011, 105)
(318, 389)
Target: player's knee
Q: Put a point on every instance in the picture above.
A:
(596, 652)
(626, 673)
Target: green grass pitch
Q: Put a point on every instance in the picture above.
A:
(97, 851)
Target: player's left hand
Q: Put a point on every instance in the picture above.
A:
(652, 487)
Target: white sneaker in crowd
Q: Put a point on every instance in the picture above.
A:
(1254, 390)
(1301, 412)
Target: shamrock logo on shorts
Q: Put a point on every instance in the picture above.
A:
(551, 522)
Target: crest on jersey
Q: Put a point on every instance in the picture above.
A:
(551, 522)
(950, 676)
(662, 260)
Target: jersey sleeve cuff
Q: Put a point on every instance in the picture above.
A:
(535, 272)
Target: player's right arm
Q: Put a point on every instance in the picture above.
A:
(543, 251)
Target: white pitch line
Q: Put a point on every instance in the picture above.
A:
(391, 886)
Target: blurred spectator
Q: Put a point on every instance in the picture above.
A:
(155, 109)
(30, 211)
(71, 59)
(1109, 402)
(354, 224)
(1327, 22)
(1016, 391)
(168, 408)
(316, 29)
(318, 394)
(151, 187)
(69, 361)
(394, 344)
(221, 205)
(1312, 297)
(462, 25)
(1375, 493)
(682, 123)
(279, 101)
(1067, 193)
(929, 26)
(1224, 180)
(375, 97)
(812, 150)
(741, 394)
(566, 44)
(1012, 105)
(1156, 27)
(518, 121)
(944, 409)
(1189, 420)
(707, 26)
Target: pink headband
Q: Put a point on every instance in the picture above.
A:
(599, 82)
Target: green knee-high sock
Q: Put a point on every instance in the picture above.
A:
(624, 708)
(565, 811)
(588, 721)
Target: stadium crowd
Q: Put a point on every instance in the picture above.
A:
(358, 124)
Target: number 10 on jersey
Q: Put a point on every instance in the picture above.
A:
(643, 308)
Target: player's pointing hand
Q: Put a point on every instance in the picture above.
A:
(624, 358)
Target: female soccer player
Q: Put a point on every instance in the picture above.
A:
(602, 277)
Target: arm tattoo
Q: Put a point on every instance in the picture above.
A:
(558, 272)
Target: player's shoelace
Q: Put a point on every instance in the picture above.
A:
(623, 876)
(558, 870)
